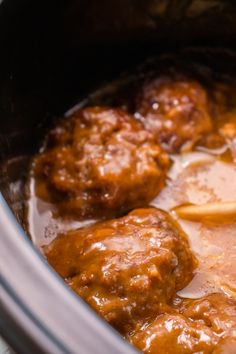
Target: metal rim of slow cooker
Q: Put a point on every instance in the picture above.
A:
(38, 313)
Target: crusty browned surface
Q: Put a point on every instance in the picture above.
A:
(207, 325)
(125, 268)
(177, 110)
(100, 161)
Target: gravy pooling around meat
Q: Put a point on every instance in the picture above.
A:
(164, 140)
(199, 178)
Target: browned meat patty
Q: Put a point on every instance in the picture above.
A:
(100, 161)
(174, 334)
(216, 311)
(126, 268)
(207, 325)
(177, 111)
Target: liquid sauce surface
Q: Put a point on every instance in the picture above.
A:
(200, 178)
(165, 282)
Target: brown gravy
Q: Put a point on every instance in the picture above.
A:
(202, 171)
(196, 178)
(207, 179)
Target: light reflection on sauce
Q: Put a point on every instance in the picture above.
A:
(200, 178)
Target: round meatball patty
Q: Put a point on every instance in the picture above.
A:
(207, 325)
(101, 161)
(127, 269)
(172, 334)
(177, 111)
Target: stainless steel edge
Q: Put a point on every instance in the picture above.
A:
(34, 300)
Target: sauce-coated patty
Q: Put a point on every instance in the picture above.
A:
(177, 111)
(100, 161)
(126, 268)
(204, 326)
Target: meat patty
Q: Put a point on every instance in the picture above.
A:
(207, 325)
(216, 311)
(126, 268)
(174, 334)
(177, 111)
(100, 161)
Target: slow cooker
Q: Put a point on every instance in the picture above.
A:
(53, 53)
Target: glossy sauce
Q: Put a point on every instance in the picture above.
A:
(199, 178)
(196, 178)
(109, 265)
